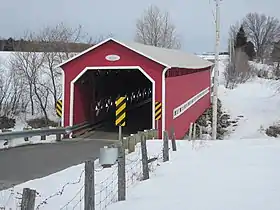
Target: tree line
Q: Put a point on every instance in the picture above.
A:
(23, 45)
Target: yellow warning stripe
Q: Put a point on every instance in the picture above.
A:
(120, 109)
(59, 108)
(120, 119)
(158, 106)
(157, 110)
(119, 100)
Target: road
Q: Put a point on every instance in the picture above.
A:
(25, 163)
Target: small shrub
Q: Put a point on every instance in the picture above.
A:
(273, 131)
(6, 122)
(41, 122)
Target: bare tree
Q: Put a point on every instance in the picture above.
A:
(29, 65)
(238, 71)
(233, 30)
(155, 28)
(59, 43)
(11, 90)
(93, 41)
(263, 31)
(56, 48)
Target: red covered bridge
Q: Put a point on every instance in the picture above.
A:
(93, 79)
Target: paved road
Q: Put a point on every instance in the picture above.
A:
(21, 164)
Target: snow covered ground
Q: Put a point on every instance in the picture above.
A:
(20, 141)
(65, 189)
(218, 175)
(201, 175)
(257, 102)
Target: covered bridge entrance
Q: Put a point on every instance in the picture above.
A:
(148, 76)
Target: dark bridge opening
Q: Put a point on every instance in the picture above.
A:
(103, 87)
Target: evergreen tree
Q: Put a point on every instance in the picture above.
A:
(250, 50)
(275, 56)
(241, 39)
(241, 42)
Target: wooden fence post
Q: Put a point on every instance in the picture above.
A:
(28, 199)
(194, 131)
(131, 144)
(165, 147)
(173, 140)
(137, 138)
(144, 152)
(89, 195)
(190, 131)
(121, 173)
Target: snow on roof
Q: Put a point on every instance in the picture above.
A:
(166, 57)
(170, 57)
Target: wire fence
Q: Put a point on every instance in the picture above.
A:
(106, 191)
(106, 186)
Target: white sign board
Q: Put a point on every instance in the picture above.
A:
(112, 57)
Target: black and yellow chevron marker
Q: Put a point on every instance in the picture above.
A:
(158, 110)
(120, 111)
(58, 107)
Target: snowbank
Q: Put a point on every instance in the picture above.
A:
(220, 175)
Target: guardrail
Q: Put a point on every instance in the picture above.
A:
(43, 132)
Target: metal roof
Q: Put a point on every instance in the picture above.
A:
(166, 57)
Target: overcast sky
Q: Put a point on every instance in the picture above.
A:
(193, 18)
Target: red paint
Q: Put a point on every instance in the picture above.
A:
(81, 103)
(96, 57)
(178, 90)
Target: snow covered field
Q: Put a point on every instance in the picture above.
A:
(217, 175)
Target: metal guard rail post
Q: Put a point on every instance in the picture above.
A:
(47, 131)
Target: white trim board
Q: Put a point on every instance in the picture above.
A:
(72, 83)
(189, 103)
(63, 99)
(163, 91)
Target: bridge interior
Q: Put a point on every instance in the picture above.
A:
(103, 87)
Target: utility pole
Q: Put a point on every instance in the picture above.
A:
(216, 72)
